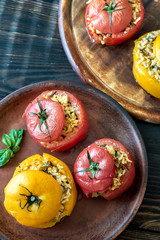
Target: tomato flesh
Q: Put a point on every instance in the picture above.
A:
(55, 120)
(103, 177)
(128, 178)
(120, 29)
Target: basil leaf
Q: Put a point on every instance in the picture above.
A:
(16, 136)
(16, 149)
(20, 136)
(2, 152)
(7, 140)
(5, 156)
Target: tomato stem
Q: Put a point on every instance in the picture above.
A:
(30, 199)
(52, 94)
(93, 167)
(43, 118)
(111, 8)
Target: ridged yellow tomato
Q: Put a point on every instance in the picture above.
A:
(141, 73)
(41, 192)
(33, 197)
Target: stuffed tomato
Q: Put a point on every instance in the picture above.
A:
(113, 22)
(41, 192)
(146, 62)
(105, 168)
(57, 120)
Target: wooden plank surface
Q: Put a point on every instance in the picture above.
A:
(31, 51)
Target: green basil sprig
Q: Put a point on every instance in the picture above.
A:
(12, 141)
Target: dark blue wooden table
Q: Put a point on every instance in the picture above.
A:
(30, 52)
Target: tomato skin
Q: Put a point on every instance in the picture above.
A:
(79, 132)
(100, 18)
(127, 181)
(116, 37)
(128, 178)
(55, 120)
(103, 177)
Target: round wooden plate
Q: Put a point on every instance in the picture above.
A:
(92, 218)
(108, 68)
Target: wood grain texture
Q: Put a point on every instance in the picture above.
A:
(108, 68)
(30, 48)
(27, 56)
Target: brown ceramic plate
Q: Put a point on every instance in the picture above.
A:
(108, 68)
(92, 218)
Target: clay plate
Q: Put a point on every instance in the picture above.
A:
(108, 68)
(92, 218)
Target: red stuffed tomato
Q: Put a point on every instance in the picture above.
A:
(94, 170)
(112, 22)
(75, 120)
(105, 168)
(45, 120)
(124, 167)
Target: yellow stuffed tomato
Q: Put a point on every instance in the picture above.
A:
(41, 192)
(146, 62)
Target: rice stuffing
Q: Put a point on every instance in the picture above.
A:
(146, 55)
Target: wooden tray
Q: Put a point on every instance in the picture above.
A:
(92, 218)
(108, 68)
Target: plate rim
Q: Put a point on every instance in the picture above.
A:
(10, 97)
